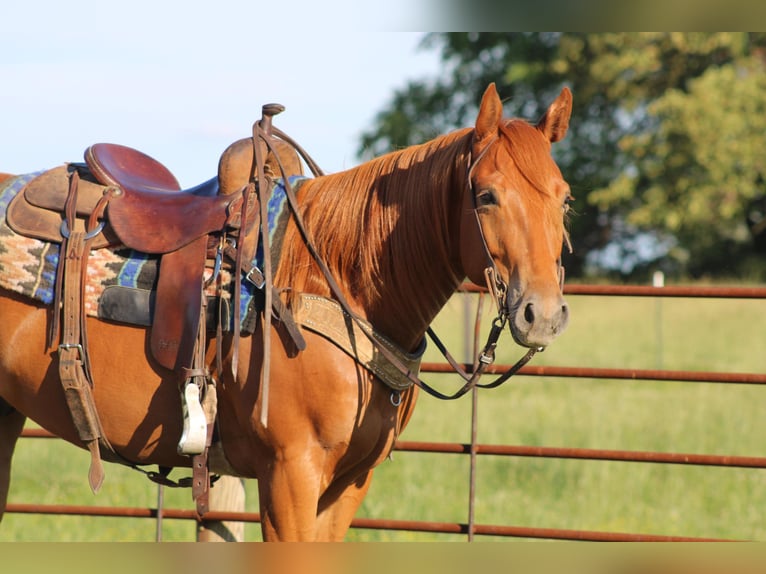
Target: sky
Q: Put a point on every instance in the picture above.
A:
(181, 80)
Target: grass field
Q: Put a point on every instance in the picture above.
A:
(686, 334)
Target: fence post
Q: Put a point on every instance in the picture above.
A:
(228, 494)
(472, 351)
(658, 281)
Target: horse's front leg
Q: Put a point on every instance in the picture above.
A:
(289, 495)
(337, 510)
(292, 508)
(11, 425)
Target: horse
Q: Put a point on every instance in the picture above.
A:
(389, 242)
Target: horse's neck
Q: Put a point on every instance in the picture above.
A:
(389, 231)
(414, 288)
(419, 267)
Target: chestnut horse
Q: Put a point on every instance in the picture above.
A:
(399, 234)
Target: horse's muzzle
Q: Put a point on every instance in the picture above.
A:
(535, 321)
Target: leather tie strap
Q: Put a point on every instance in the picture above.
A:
(77, 388)
(199, 375)
(263, 188)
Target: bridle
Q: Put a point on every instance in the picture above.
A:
(264, 131)
(498, 290)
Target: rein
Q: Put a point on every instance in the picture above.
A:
(496, 286)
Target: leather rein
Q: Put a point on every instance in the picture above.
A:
(264, 131)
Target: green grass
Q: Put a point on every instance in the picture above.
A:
(615, 332)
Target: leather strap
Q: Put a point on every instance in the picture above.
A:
(199, 376)
(263, 188)
(74, 370)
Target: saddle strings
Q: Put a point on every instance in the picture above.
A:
(261, 132)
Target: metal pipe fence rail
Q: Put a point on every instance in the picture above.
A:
(474, 449)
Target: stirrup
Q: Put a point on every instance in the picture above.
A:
(194, 436)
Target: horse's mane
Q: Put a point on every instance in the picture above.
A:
(370, 218)
(391, 223)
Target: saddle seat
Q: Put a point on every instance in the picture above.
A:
(153, 198)
(134, 171)
(128, 168)
(150, 198)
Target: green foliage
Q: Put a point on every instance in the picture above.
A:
(702, 169)
(663, 154)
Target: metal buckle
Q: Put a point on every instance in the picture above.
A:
(259, 283)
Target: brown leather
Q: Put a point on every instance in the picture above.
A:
(128, 168)
(153, 214)
(178, 303)
(37, 211)
(236, 164)
(135, 217)
(74, 366)
(156, 222)
(175, 225)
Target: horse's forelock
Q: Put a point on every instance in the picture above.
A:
(530, 152)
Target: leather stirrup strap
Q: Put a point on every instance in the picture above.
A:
(199, 376)
(72, 360)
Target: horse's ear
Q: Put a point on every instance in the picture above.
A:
(490, 115)
(555, 122)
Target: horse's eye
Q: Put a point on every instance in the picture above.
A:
(486, 197)
(567, 200)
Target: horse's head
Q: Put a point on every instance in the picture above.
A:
(514, 216)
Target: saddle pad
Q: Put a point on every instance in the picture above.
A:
(28, 266)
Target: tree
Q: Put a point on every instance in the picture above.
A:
(663, 153)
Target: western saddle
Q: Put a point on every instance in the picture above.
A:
(117, 197)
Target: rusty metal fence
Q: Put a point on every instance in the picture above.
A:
(473, 449)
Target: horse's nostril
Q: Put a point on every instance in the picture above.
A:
(529, 313)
